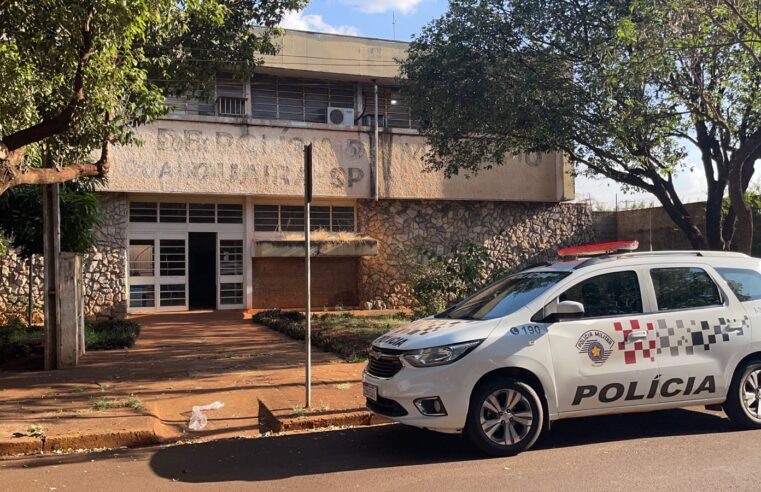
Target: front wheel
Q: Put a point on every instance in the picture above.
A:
(505, 417)
(743, 405)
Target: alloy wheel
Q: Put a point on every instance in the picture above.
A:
(751, 394)
(506, 417)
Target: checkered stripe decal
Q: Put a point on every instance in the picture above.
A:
(682, 337)
(644, 348)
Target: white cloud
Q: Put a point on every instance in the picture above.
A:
(380, 6)
(313, 22)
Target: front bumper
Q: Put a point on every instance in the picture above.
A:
(397, 394)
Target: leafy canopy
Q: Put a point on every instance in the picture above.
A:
(79, 73)
(625, 89)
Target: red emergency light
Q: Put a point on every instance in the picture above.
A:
(598, 249)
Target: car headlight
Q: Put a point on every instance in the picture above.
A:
(438, 356)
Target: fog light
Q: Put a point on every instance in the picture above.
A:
(431, 406)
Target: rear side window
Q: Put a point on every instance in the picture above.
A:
(684, 288)
(745, 283)
(610, 294)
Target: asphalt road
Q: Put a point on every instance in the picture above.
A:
(675, 449)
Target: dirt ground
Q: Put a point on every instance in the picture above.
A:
(180, 360)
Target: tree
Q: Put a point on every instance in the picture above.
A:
(21, 221)
(78, 75)
(624, 89)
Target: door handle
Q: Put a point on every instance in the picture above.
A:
(637, 335)
(733, 327)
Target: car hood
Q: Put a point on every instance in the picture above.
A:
(434, 332)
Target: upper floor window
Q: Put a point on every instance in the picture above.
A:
(609, 294)
(281, 98)
(684, 288)
(180, 212)
(393, 108)
(290, 218)
(745, 283)
(228, 99)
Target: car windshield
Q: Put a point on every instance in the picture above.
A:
(504, 296)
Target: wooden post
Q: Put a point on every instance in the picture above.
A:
(70, 309)
(51, 215)
(308, 262)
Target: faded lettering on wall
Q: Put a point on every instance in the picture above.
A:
(261, 160)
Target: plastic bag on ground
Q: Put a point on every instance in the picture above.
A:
(198, 419)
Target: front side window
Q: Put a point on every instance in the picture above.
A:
(745, 283)
(504, 296)
(684, 288)
(610, 294)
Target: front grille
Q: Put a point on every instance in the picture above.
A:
(387, 407)
(383, 363)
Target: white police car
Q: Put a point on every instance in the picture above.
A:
(616, 333)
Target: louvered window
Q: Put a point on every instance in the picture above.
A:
(281, 98)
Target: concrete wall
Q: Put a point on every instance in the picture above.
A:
(515, 234)
(652, 227)
(211, 155)
(306, 53)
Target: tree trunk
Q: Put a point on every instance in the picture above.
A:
(30, 307)
(743, 234)
(714, 224)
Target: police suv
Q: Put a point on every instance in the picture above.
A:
(618, 332)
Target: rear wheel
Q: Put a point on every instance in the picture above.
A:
(505, 417)
(743, 404)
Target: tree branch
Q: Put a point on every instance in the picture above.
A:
(61, 122)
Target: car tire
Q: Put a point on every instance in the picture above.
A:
(498, 418)
(743, 403)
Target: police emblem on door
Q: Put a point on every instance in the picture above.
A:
(596, 345)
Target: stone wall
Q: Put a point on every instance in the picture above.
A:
(104, 268)
(515, 234)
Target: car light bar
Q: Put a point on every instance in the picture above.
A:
(598, 249)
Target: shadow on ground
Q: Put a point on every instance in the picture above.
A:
(282, 457)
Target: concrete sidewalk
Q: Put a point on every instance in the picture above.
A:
(180, 360)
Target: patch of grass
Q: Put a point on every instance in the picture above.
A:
(35, 430)
(347, 335)
(111, 334)
(105, 404)
(299, 411)
(132, 402)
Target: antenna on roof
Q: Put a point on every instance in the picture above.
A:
(393, 23)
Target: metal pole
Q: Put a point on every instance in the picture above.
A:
(308, 262)
(51, 214)
(375, 156)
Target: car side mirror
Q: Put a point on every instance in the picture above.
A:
(561, 311)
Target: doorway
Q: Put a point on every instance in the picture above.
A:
(202, 270)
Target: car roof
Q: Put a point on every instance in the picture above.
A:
(713, 258)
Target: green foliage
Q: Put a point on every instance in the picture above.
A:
(444, 279)
(16, 338)
(111, 334)
(141, 52)
(21, 218)
(35, 430)
(347, 335)
(624, 89)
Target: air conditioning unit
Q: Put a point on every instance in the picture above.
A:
(340, 116)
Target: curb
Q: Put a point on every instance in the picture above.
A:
(280, 421)
(148, 434)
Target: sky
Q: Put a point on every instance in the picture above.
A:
(403, 19)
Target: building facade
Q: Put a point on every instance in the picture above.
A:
(208, 212)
